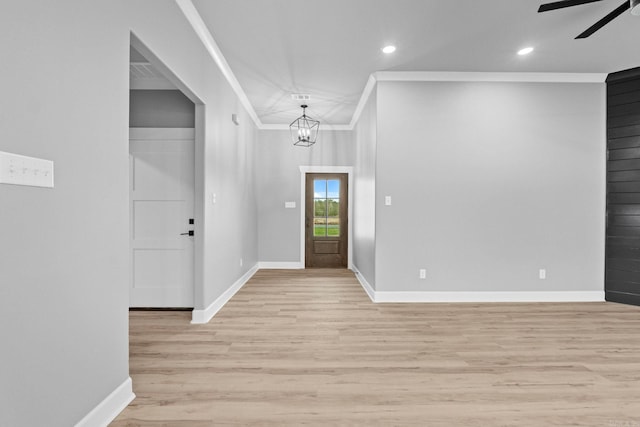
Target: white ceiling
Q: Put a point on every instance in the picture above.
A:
(328, 48)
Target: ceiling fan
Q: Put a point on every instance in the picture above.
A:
(633, 5)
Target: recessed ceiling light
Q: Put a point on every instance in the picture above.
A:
(389, 49)
(525, 51)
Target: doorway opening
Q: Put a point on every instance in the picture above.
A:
(166, 179)
(326, 220)
(326, 227)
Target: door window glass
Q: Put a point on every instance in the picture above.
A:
(326, 207)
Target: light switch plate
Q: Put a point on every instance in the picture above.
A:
(387, 200)
(22, 170)
(290, 205)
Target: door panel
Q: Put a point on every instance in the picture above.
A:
(156, 219)
(157, 268)
(326, 240)
(326, 247)
(162, 192)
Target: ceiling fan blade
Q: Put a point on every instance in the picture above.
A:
(604, 21)
(562, 4)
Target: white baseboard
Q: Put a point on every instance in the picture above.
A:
(203, 316)
(280, 265)
(456, 297)
(365, 285)
(110, 407)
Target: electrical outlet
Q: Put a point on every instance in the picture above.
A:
(423, 273)
(542, 274)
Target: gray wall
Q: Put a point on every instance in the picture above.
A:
(231, 224)
(364, 207)
(160, 109)
(490, 182)
(63, 259)
(278, 181)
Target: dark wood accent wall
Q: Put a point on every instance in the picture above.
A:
(622, 277)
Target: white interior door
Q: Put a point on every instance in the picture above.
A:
(162, 192)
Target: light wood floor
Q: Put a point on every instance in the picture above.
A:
(309, 348)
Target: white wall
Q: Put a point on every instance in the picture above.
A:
(63, 259)
(490, 182)
(278, 181)
(364, 206)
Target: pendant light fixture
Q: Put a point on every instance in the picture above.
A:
(304, 129)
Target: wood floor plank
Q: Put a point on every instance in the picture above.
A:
(308, 347)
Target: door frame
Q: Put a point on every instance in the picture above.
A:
(199, 167)
(304, 170)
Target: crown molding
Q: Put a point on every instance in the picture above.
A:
(366, 93)
(632, 73)
(194, 18)
(467, 76)
(200, 28)
(323, 127)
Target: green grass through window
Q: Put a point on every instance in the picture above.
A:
(333, 230)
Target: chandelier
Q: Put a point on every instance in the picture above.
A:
(304, 129)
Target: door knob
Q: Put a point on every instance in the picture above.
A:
(188, 233)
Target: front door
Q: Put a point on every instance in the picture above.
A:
(326, 240)
(162, 193)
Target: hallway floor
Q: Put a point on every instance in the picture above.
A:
(308, 347)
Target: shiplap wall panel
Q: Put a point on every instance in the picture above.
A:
(622, 275)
